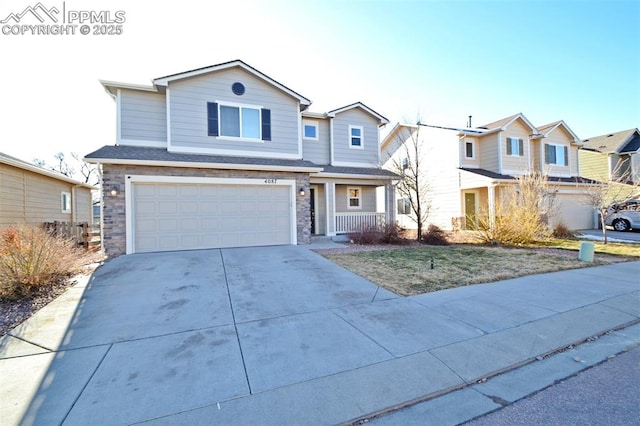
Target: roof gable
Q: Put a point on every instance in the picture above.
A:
(381, 119)
(506, 122)
(612, 142)
(556, 126)
(160, 84)
(164, 81)
(395, 133)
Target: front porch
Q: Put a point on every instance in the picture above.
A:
(341, 208)
(349, 222)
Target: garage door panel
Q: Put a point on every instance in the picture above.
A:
(193, 216)
(167, 225)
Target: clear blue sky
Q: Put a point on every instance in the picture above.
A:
(574, 60)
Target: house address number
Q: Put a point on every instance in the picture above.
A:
(271, 181)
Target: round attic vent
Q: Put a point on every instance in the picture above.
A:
(237, 88)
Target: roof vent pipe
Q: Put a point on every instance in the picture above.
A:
(469, 123)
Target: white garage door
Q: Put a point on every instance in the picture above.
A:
(178, 216)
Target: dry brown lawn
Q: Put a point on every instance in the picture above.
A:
(407, 271)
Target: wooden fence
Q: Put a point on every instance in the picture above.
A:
(83, 233)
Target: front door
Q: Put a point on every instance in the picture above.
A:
(470, 210)
(312, 193)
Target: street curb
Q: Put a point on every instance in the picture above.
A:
(434, 395)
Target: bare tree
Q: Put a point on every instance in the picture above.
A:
(74, 168)
(414, 185)
(619, 187)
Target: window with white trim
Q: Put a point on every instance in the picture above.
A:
(556, 154)
(515, 147)
(310, 130)
(469, 150)
(65, 202)
(356, 134)
(404, 206)
(354, 197)
(238, 121)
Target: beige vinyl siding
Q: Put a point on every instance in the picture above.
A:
(342, 151)
(318, 151)
(11, 195)
(27, 197)
(143, 117)
(444, 195)
(367, 199)
(514, 164)
(188, 114)
(488, 148)
(536, 163)
(474, 162)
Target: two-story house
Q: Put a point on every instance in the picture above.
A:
(467, 168)
(225, 156)
(614, 156)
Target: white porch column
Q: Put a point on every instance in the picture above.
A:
(491, 199)
(390, 202)
(331, 209)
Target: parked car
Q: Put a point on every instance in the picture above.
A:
(623, 216)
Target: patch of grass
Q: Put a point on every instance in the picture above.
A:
(406, 271)
(614, 249)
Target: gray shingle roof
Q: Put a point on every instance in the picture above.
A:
(612, 142)
(359, 171)
(493, 175)
(123, 153)
(138, 153)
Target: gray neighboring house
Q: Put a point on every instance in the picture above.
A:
(32, 195)
(225, 156)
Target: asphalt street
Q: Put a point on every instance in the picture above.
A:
(607, 394)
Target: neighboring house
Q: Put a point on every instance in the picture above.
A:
(467, 168)
(32, 195)
(225, 156)
(614, 156)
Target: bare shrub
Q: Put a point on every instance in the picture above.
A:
(561, 231)
(366, 235)
(521, 213)
(30, 258)
(389, 233)
(435, 236)
(392, 233)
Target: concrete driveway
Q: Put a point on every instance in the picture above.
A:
(279, 335)
(155, 334)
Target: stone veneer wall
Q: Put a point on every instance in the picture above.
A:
(114, 219)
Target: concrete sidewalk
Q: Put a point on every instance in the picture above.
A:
(282, 336)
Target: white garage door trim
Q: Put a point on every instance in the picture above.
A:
(132, 179)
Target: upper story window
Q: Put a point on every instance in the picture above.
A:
(405, 163)
(355, 136)
(556, 154)
(469, 151)
(354, 195)
(238, 121)
(310, 130)
(65, 202)
(515, 147)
